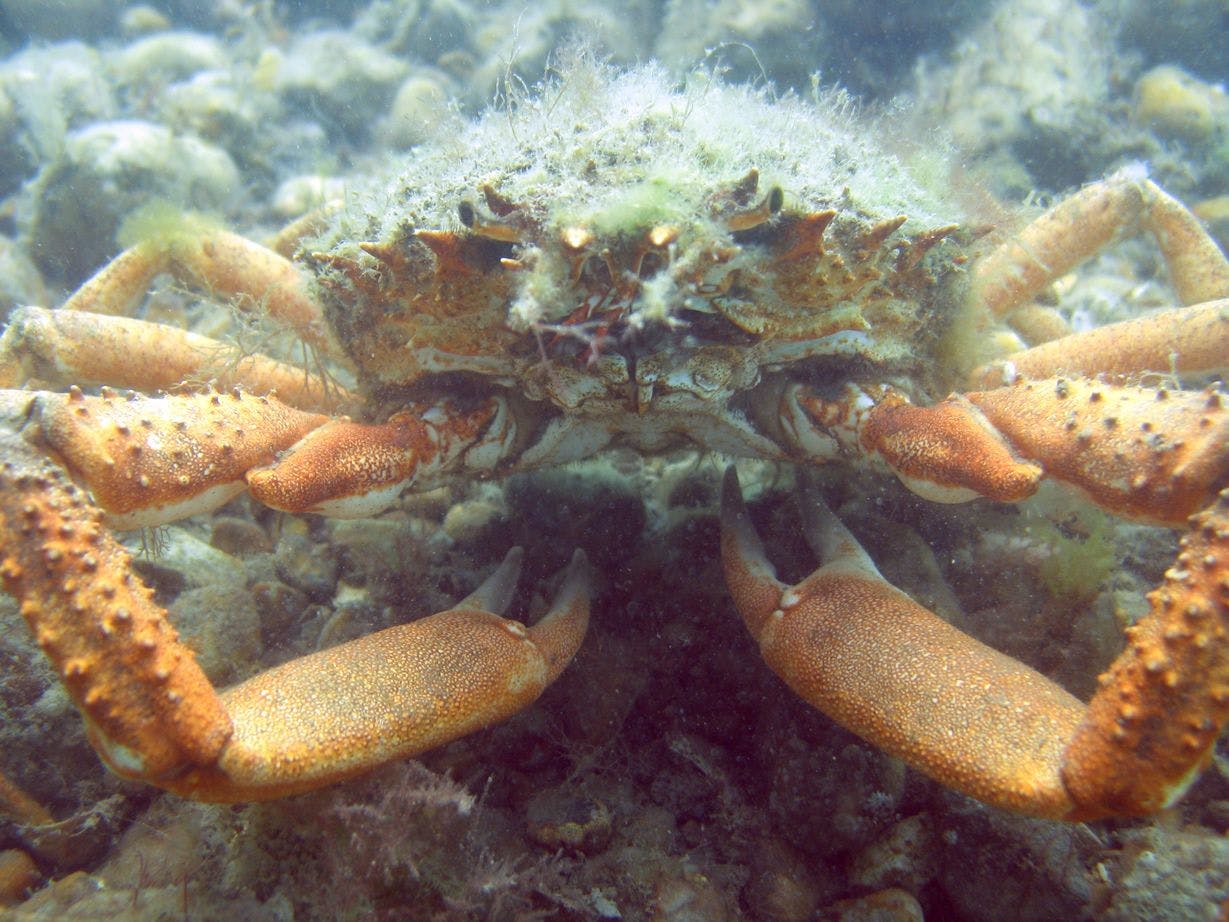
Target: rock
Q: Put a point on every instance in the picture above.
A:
(558, 818)
(1159, 873)
(213, 106)
(419, 107)
(280, 607)
(997, 865)
(222, 625)
(690, 897)
(167, 57)
(308, 567)
(1177, 105)
(239, 537)
(1042, 103)
(142, 20)
(82, 839)
(45, 92)
(906, 856)
(106, 172)
(179, 559)
(832, 793)
(300, 194)
(892, 905)
(782, 887)
(18, 873)
(784, 33)
(466, 520)
(348, 82)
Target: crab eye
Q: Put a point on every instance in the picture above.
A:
(754, 216)
(501, 229)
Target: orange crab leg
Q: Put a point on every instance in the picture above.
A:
(148, 461)
(1150, 454)
(150, 711)
(1184, 341)
(1083, 224)
(402, 691)
(977, 721)
(349, 470)
(152, 460)
(220, 262)
(66, 346)
(145, 701)
(875, 661)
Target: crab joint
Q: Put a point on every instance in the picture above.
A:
(349, 470)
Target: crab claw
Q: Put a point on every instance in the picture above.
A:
(345, 469)
(393, 694)
(896, 674)
(153, 715)
(973, 719)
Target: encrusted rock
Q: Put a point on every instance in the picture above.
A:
(1165, 874)
(906, 856)
(238, 537)
(307, 567)
(783, 888)
(690, 898)
(222, 625)
(107, 171)
(561, 819)
(891, 905)
(178, 559)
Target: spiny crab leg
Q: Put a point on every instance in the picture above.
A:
(60, 347)
(148, 461)
(883, 666)
(220, 262)
(150, 711)
(145, 701)
(1154, 455)
(151, 460)
(1080, 226)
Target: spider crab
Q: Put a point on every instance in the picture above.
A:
(568, 275)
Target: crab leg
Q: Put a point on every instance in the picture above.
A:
(148, 707)
(1150, 454)
(226, 264)
(148, 461)
(1083, 224)
(1184, 341)
(393, 694)
(66, 346)
(875, 661)
(977, 721)
(351, 470)
(151, 460)
(150, 712)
